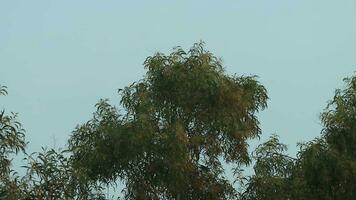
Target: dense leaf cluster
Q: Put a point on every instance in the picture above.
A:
(325, 168)
(49, 174)
(180, 122)
(12, 141)
(175, 130)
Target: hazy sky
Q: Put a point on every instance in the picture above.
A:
(58, 58)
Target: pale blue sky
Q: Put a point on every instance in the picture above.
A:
(58, 58)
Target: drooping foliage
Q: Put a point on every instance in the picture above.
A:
(12, 141)
(328, 165)
(340, 121)
(49, 174)
(174, 130)
(179, 122)
(325, 168)
(273, 169)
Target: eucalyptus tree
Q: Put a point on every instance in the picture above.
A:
(328, 164)
(325, 168)
(50, 176)
(12, 141)
(49, 173)
(178, 124)
(273, 171)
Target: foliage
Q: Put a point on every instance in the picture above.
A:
(328, 164)
(181, 120)
(12, 141)
(325, 168)
(50, 176)
(49, 173)
(179, 124)
(273, 169)
(339, 121)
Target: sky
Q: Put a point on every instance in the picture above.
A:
(58, 58)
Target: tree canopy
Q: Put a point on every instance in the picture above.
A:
(179, 123)
(173, 133)
(12, 141)
(325, 168)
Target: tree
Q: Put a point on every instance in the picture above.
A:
(328, 164)
(12, 141)
(339, 120)
(51, 176)
(325, 168)
(179, 124)
(273, 170)
(181, 121)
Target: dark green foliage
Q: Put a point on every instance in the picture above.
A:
(340, 121)
(12, 137)
(325, 168)
(179, 124)
(12, 141)
(50, 176)
(328, 165)
(273, 170)
(180, 121)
